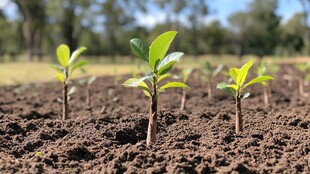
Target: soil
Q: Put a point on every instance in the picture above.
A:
(109, 135)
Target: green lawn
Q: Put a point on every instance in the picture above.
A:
(25, 72)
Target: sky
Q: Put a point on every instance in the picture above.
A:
(219, 10)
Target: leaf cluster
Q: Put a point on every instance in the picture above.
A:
(159, 64)
(67, 66)
(239, 77)
(210, 72)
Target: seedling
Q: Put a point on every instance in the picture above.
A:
(89, 81)
(236, 90)
(210, 74)
(65, 70)
(304, 69)
(261, 71)
(185, 74)
(154, 57)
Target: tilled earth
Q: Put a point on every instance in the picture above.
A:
(109, 135)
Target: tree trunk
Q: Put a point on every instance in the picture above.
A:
(301, 86)
(266, 99)
(210, 90)
(88, 102)
(183, 102)
(239, 124)
(65, 102)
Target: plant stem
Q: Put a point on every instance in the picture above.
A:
(266, 97)
(183, 102)
(65, 102)
(239, 125)
(151, 132)
(210, 89)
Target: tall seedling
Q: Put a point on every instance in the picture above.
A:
(185, 74)
(159, 66)
(210, 73)
(261, 70)
(65, 70)
(236, 89)
(304, 69)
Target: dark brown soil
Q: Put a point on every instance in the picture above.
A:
(109, 136)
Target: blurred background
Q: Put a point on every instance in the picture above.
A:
(216, 30)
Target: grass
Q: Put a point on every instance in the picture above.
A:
(22, 72)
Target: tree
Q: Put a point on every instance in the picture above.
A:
(257, 29)
(306, 12)
(33, 12)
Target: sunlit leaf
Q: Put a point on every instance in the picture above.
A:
(79, 64)
(76, 53)
(162, 77)
(168, 61)
(234, 73)
(91, 80)
(59, 69)
(159, 47)
(137, 83)
(246, 95)
(244, 72)
(226, 88)
(174, 85)
(141, 49)
(258, 80)
(218, 69)
(63, 54)
(186, 72)
(60, 77)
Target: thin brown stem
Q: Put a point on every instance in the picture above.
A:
(239, 124)
(65, 102)
(210, 90)
(152, 127)
(266, 97)
(183, 102)
(301, 86)
(88, 94)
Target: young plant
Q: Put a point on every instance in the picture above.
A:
(88, 81)
(154, 57)
(261, 71)
(185, 74)
(236, 90)
(65, 70)
(304, 69)
(210, 74)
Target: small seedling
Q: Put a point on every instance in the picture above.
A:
(261, 71)
(159, 66)
(304, 69)
(210, 74)
(185, 74)
(65, 70)
(88, 81)
(236, 90)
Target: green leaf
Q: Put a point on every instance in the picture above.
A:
(165, 71)
(63, 54)
(159, 47)
(258, 80)
(174, 85)
(78, 65)
(76, 53)
(162, 77)
(169, 61)
(226, 88)
(147, 93)
(141, 49)
(59, 69)
(244, 72)
(60, 77)
(234, 73)
(207, 69)
(137, 83)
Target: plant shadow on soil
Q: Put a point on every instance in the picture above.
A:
(109, 136)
